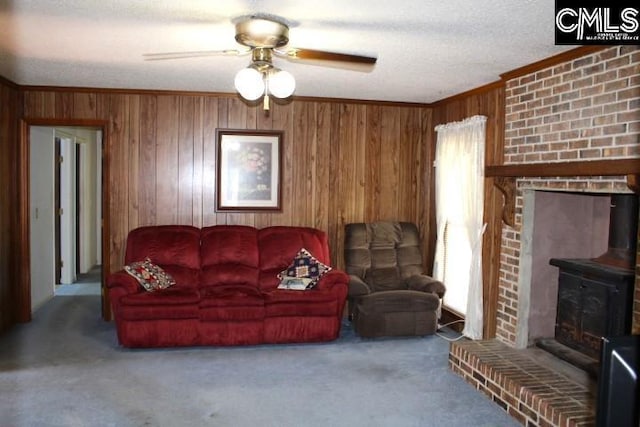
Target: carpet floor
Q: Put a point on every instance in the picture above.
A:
(65, 368)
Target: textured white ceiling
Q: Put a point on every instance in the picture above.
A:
(427, 49)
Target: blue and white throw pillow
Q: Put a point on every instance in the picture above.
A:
(305, 265)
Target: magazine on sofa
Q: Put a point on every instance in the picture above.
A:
(294, 283)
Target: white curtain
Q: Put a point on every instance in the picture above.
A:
(459, 218)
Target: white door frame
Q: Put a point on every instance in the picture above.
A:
(42, 212)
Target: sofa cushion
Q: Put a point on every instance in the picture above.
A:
(229, 274)
(229, 256)
(313, 302)
(184, 277)
(234, 303)
(165, 244)
(226, 291)
(305, 265)
(171, 296)
(171, 303)
(158, 312)
(175, 248)
(232, 308)
(150, 276)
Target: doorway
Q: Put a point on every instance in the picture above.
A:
(65, 205)
(79, 207)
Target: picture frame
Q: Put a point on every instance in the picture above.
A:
(249, 170)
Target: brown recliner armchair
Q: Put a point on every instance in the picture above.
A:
(389, 294)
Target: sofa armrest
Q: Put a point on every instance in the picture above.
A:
(423, 283)
(122, 279)
(333, 278)
(357, 287)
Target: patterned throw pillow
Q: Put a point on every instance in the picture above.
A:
(307, 266)
(149, 275)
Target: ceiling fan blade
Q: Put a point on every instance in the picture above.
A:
(298, 53)
(193, 54)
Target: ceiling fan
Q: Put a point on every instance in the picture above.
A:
(263, 37)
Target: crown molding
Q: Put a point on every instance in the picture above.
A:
(551, 61)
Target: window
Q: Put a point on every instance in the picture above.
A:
(459, 217)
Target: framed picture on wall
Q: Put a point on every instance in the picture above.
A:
(249, 170)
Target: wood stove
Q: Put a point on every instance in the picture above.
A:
(595, 296)
(594, 301)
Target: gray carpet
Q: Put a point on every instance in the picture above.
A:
(66, 369)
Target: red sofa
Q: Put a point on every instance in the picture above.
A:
(226, 288)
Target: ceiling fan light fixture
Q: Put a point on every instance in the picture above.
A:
(262, 35)
(249, 83)
(281, 83)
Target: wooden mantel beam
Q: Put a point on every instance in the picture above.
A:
(505, 176)
(618, 167)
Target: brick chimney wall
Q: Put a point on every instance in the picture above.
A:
(584, 109)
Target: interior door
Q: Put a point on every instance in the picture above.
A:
(78, 205)
(57, 160)
(41, 216)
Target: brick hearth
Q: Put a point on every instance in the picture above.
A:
(533, 387)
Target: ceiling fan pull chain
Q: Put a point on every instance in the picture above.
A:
(265, 102)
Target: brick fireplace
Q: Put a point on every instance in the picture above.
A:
(585, 109)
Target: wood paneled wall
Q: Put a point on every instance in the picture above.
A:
(343, 161)
(487, 101)
(9, 114)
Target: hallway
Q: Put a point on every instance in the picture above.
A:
(86, 284)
